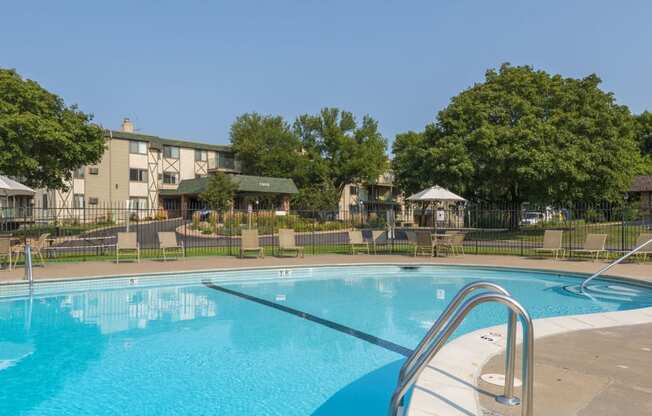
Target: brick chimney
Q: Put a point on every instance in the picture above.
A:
(127, 125)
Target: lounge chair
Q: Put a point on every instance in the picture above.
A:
(552, 243)
(594, 246)
(454, 242)
(287, 242)
(5, 251)
(379, 239)
(127, 242)
(356, 242)
(37, 246)
(422, 242)
(642, 239)
(167, 241)
(249, 242)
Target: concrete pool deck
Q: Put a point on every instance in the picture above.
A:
(82, 270)
(565, 348)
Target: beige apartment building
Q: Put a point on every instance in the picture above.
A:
(150, 173)
(379, 196)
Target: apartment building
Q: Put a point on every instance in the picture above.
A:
(149, 173)
(378, 196)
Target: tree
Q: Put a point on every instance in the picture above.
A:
(220, 192)
(340, 150)
(266, 145)
(42, 141)
(524, 135)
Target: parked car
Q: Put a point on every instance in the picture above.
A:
(532, 218)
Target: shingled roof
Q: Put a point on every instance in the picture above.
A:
(641, 184)
(159, 142)
(246, 183)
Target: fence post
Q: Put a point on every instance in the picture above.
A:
(312, 239)
(622, 225)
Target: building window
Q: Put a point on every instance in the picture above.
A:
(44, 201)
(353, 190)
(170, 178)
(226, 160)
(78, 201)
(136, 203)
(201, 155)
(137, 147)
(138, 175)
(92, 201)
(94, 170)
(171, 152)
(78, 173)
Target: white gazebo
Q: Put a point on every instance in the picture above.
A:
(13, 191)
(434, 196)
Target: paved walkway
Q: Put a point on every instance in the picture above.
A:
(105, 268)
(604, 372)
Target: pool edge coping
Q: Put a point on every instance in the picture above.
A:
(615, 277)
(448, 386)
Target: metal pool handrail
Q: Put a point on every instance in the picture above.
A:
(445, 316)
(613, 263)
(424, 359)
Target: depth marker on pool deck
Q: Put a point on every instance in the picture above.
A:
(399, 349)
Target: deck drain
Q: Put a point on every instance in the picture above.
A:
(498, 379)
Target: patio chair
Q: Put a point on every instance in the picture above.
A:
(167, 241)
(287, 242)
(127, 242)
(5, 251)
(454, 242)
(38, 246)
(379, 239)
(552, 243)
(249, 242)
(642, 239)
(422, 242)
(594, 245)
(356, 242)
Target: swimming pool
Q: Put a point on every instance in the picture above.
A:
(323, 340)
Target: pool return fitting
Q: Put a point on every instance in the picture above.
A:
(448, 322)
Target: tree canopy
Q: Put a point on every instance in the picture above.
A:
(342, 149)
(266, 145)
(525, 135)
(220, 192)
(321, 153)
(42, 141)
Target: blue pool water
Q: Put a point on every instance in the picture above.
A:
(172, 345)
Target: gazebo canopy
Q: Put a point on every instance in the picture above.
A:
(435, 193)
(9, 187)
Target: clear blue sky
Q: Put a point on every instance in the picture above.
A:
(187, 68)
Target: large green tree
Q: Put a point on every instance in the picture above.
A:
(220, 192)
(41, 139)
(340, 149)
(321, 153)
(266, 145)
(526, 135)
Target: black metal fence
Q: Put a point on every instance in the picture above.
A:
(90, 233)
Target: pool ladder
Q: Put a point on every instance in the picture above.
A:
(448, 322)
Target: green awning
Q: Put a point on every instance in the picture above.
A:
(246, 183)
